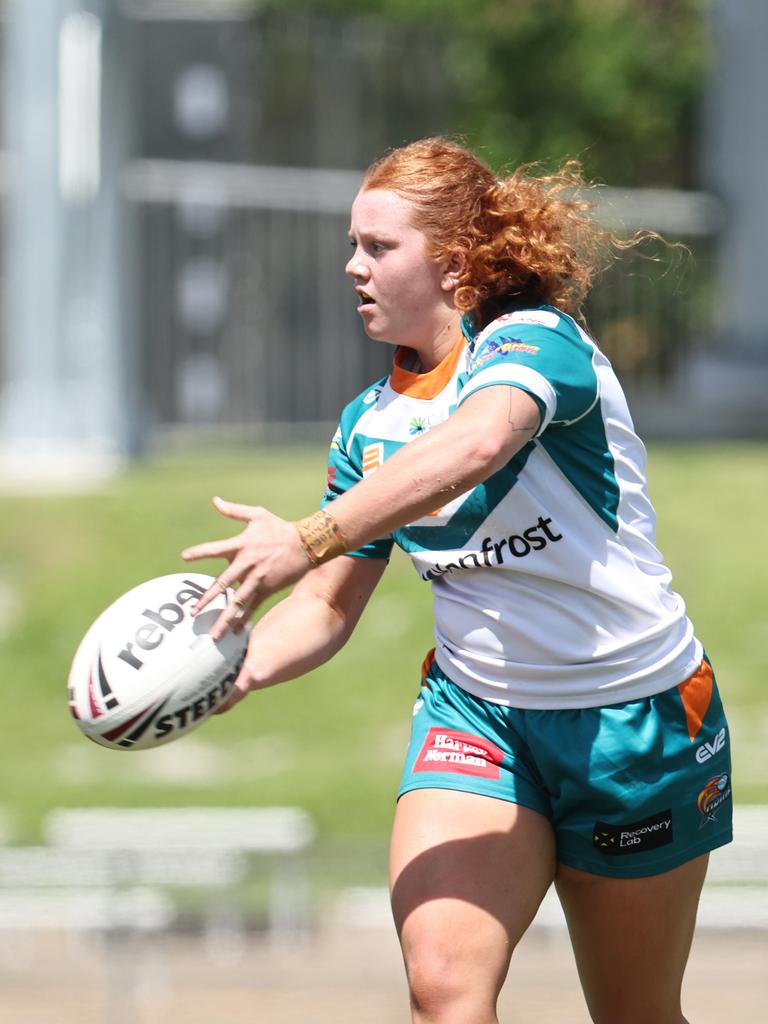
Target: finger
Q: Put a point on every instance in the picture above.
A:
(233, 510)
(211, 549)
(241, 620)
(234, 617)
(219, 586)
(248, 596)
(250, 593)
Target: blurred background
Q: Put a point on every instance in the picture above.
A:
(175, 181)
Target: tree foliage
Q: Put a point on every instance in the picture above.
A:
(614, 83)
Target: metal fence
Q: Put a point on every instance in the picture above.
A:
(225, 284)
(248, 320)
(249, 324)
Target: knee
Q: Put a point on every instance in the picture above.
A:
(438, 991)
(444, 989)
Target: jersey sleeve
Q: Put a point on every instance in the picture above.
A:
(343, 473)
(545, 354)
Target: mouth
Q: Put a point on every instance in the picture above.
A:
(364, 299)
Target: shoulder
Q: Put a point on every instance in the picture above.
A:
(542, 350)
(539, 331)
(362, 404)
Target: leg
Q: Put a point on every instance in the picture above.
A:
(631, 937)
(467, 874)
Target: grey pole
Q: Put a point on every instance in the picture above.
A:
(68, 395)
(736, 157)
(721, 390)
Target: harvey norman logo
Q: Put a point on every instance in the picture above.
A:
(449, 750)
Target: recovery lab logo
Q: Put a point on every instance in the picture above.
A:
(714, 795)
(647, 834)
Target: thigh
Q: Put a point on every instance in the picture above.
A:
(467, 874)
(631, 938)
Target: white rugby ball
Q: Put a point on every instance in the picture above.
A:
(147, 672)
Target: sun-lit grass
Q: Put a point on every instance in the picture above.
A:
(332, 742)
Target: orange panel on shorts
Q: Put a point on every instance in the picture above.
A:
(696, 693)
(426, 665)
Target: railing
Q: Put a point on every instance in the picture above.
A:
(248, 320)
(246, 323)
(249, 323)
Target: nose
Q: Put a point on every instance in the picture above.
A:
(355, 267)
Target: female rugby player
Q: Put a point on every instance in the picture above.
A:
(564, 728)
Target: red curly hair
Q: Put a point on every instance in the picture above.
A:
(525, 237)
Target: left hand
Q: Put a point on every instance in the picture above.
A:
(264, 558)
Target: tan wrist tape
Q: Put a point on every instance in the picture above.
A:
(320, 537)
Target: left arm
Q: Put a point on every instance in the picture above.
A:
(474, 442)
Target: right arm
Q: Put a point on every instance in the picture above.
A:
(309, 626)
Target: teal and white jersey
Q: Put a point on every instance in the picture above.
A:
(549, 590)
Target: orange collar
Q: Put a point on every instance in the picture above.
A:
(424, 385)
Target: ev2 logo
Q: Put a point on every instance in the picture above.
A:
(707, 750)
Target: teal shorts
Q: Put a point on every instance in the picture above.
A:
(631, 789)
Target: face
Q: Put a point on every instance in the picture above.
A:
(406, 297)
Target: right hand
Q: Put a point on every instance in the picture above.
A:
(264, 558)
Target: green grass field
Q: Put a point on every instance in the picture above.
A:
(332, 742)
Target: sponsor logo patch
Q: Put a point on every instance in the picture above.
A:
(502, 348)
(373, 457)
(492, 552)
(647, 834)
(712, 796)
(707, 750)
(448, 750)
(533, 316)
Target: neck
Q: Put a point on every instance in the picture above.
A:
(430, 354)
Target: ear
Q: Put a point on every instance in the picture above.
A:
(453, 270)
